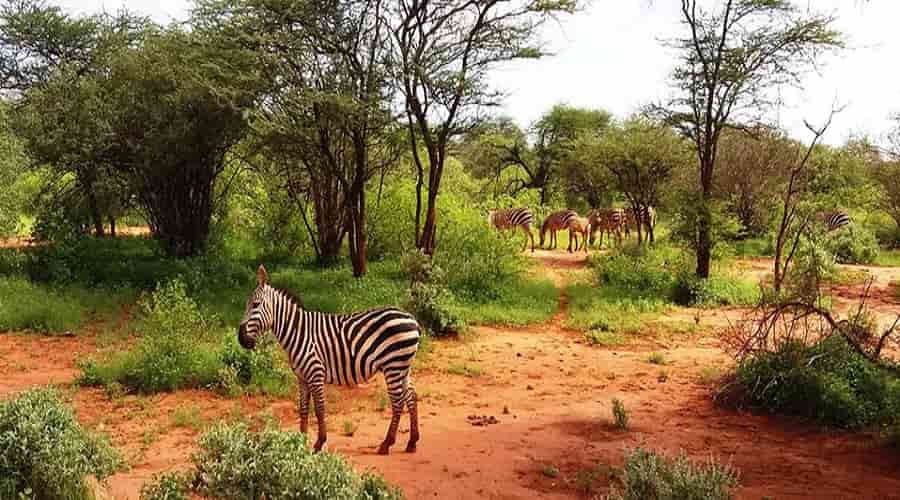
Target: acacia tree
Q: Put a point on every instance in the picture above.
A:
(442, 52)
(732, 57)
(536, 164)
(887, 173)
(326, 119)
(44, 55)
(641, 156)
(751, 173)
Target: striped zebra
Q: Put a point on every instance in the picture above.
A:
(344, 349)
(833, 220)
(557, 221)
(509, 218)
(608, 220)
(582, 226)
(648, 221)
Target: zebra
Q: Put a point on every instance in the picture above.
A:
(508, 218)
(609, 220)
(556, 221)
(833, 220)
(344, 349)
(648, 220)
(582, 226)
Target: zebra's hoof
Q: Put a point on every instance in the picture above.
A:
(411, 448)
(384, 450)
(318, 447)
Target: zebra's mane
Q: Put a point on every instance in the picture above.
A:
(293, 297)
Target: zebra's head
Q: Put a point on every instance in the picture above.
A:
(258, 314)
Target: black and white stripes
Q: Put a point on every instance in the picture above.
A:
(510, 218)
(344, 349)
(834, 220)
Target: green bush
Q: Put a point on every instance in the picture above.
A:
(717, 290)
(828, 382)
(176, 351)
(234, 462)
(45, 453)
(165, 487)
(429, 298)
(853, 244)
(647, 475)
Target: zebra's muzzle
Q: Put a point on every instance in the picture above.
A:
(246, 341)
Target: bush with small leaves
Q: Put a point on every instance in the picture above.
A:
(169, 486)
(647, 474)
(44, 450)
(235, 462)
(853, 244)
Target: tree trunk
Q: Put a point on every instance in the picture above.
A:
(704, 221)
(357, 236)
(94, 208)
(112, 226)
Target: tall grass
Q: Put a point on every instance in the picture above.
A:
(28, 306)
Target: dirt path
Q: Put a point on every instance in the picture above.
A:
(550, 394)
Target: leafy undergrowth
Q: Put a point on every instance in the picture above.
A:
(180, 348)
(635, 285)
(648, 474)
(517, 302)
(44, 451)
(828, 382)
(234, 461)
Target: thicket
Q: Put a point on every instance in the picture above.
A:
(45, 453)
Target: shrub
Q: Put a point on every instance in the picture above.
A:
(650, 475)
(853, 244)
(235, 462)
(656, 358)
(620, 414)
(44, 450)
(165, 487)
(429, 298)
(175, 352)
(716, 290)
(828, 382)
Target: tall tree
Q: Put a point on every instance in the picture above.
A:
(732, 58)
(43, 53)
(443, 51)
(327, 117)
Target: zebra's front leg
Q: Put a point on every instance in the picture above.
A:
(317, 390)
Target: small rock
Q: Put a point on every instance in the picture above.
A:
(529, 387)
(506, 410)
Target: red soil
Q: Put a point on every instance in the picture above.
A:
(550, 394)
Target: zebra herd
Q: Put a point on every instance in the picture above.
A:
(612, 221)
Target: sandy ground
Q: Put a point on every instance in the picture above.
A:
(551, 396)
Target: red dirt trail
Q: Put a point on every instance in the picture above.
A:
(550, 393)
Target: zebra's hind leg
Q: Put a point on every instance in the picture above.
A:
(396, 383)
(412, 406)
(303, 404)
(318, 394)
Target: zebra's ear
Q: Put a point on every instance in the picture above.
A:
(262, 277)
